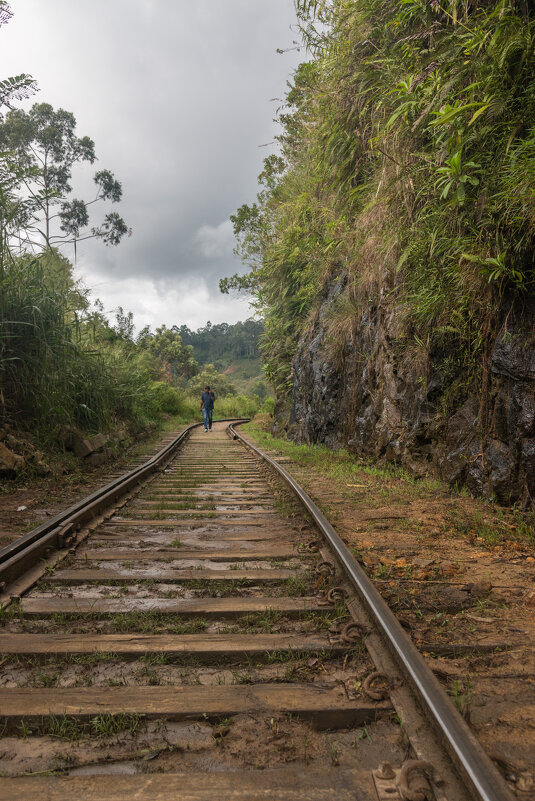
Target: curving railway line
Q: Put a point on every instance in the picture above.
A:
(197, 630)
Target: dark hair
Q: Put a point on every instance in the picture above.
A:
(207, 387)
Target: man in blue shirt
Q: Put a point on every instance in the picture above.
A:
(207, 407)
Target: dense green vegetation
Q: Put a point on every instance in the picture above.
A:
(62, 362)
(233, 350)
(406, 173)
(222, 343)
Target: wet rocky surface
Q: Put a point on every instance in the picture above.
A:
(381, 397)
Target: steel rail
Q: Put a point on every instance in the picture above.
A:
(16, 557)
(482, 777)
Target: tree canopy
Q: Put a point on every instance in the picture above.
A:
(40, 149)
(177, 359)
(219, 383)
(223, 342)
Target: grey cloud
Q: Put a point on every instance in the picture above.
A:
(176, 95)
(215, 241)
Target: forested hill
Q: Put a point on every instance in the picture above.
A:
(222, 343)
(233, 350)
(392, 242)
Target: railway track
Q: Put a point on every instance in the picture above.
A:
(197, 630)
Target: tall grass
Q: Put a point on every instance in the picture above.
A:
(52, 370)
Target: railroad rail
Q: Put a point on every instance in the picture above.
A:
(198, 619)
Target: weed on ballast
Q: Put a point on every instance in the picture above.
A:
(156, 659)
(299, 585)
(45, 586)
(263, 621)
(11, 613)
(463, 697)
(310, 620)
(66, 727)
(334, 754)
(25, 729)
(242, 677)
(298, 672)
(286, 506)
(62, 727)
(325, 619)
(192, 626)
(88, 659)
(42, 679)
(363, 734)
(150, 623)
(117, 682)
(109, 725)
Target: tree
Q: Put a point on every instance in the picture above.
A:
(15, 88)
(177, 359)
(222, 343)
(124, 325)
(19, 87)
(42, 148)
(218, 382)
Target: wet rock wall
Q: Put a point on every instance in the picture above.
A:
(380, 399)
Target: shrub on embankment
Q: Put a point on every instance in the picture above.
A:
(229, 406)
(392, 244)
(63, 364)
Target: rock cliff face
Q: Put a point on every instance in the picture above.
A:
(375, 397)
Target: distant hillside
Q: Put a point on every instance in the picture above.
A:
(248, 377)
(233, 350)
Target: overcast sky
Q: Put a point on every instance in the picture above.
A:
(178, 96)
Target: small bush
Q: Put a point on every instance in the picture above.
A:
(165, 398)
(238, 406)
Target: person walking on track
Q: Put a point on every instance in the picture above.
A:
(207, 407)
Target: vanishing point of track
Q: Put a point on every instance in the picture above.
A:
(197, 630)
